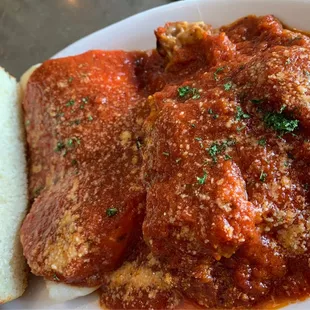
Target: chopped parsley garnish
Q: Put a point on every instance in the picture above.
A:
(166, 153)
(138, 144)
(60, 146)
(188, 91)
(38, 190)
(198, 139)
(90, 118)
(229, 142)
(257, 101)
(227, 157)
(74, 162)
(218, 70)
(241, 115)
(72, 141)
(288, 61)
(60, 114)
(306, 72)
(280, 123)
(202, 180)
(282, 108)
(196, 94)
(263, 176)
(215, 116)
(213, 151)
(184, 90)
(241, 128)
(216, 148)
(76, 122)
(70, 103)
(111, 212)
(192, 125)
(292, 40)
(228, 86)
(262, 142)
(70, 79)
(178, 160)
(55, 278)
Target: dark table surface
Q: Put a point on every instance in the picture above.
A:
(34, 30)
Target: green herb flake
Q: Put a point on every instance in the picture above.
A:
(307, 73)
(280, 123)
(60, 114)
(241, 128)
(74, 162)
(227, 157)
(196, 94)
(292, 40)
(55, 278)
(198, 139)
(59, 146)
(217, 71)
(111, 212)
(288, 61)
(183, 91)
(192, 125)
(228, 86)
(263, 176)
(72, 141)
(214, 151)
(166, 154)
(178, 160)
(188, 91)
(282, 108)
(90, 118)
(70, 79)
(202, 180)
(262, 142)
(38, 190)
(138, 143)
(76, 122)
(241, 115)
(215, 116)
(70, 103)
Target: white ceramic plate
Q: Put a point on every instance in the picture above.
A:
(136, 33)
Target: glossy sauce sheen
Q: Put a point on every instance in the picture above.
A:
(215, 210)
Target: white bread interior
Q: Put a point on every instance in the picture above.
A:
(13, 190)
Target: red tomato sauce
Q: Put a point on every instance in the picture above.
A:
(177, 178)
